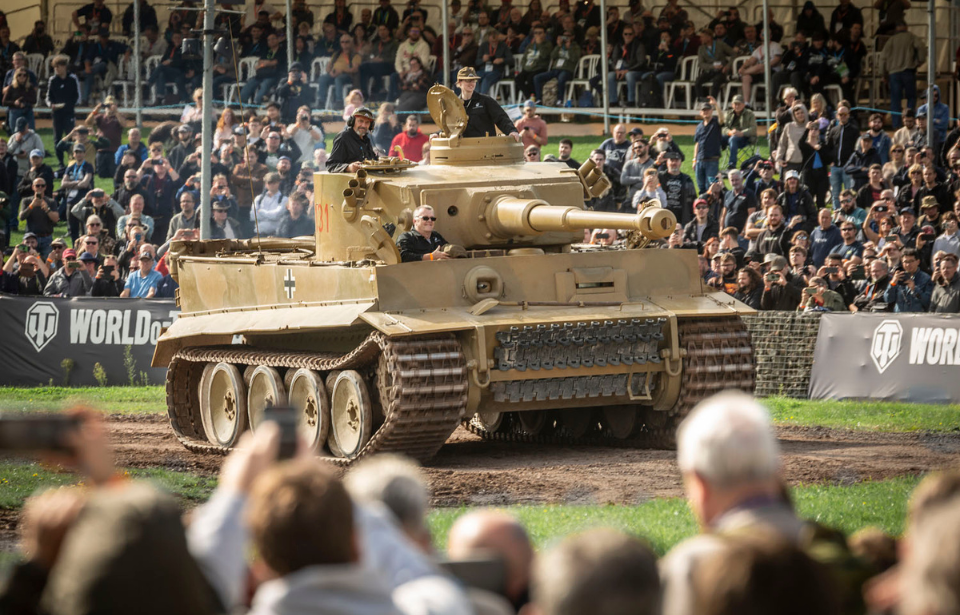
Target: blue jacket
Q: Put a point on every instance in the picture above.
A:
(906, 300)
(882, 144)
(941, 116)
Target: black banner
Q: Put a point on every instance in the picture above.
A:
(897, 357)
(81, 341)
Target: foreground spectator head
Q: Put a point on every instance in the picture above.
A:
(932, 572)
(532, 154)
(300, 515)
(112, 552)
(599, 572)
(398, 484)
(490, 532)
(727, 451)
(763, 574)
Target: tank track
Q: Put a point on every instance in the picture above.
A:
(719, 356)
(421, 384)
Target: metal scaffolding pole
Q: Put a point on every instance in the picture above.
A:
(291, 35)
(444, 22)
(206, 136)
(766, 72)
(604, 69)
(931, 67)
(137, 79)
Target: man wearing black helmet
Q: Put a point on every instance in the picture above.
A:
(352, 146)
(484, 114)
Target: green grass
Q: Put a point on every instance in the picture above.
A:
(665, 522)
(123, 400)
(854, 415)
(20, 480)
(865, 415)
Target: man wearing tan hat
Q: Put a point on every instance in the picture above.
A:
(352, 146)
(484, 114)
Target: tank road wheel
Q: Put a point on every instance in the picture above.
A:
(620, 421)
(533, 422)
(308, 397)
(491, 421)
(575, 422)
(351, 414)
(265, 390)
(223, 404)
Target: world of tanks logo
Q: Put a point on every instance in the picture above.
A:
(886, 344)
(42, 321)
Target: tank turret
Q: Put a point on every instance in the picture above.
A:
(484, 195)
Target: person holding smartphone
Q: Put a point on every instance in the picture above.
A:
(71, 280)
(779, 293)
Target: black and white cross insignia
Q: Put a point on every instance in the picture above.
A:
(289, 284)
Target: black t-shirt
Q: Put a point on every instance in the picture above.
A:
(485, 115)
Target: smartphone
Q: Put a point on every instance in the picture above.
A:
(108, 269)
(23, 247)
(36, 432)
(882, 208)
(772, 277)
(927, 236)
(138, 236)
(831, 270)
(286, 418)
(858, 273)
(74, 264)
(891, 239)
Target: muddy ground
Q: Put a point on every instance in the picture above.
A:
(470, 471)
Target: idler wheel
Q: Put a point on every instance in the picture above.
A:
(266, 390)
(223, 404)
(621, 421)
(576, 422)
(308, 398)
(533, 422)
(490, 421)
(351, 414)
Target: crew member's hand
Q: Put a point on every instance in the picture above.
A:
(353, 167)
(515, 135)
(436, 255)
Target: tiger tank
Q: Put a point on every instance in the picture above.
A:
(526, 336)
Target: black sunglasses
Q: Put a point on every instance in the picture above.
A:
(428, 218)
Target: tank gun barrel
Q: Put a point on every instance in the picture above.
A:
(515, 216)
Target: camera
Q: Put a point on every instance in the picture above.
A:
(831, 270)
(772, 277)
(36, 432)
(882, 208)
(927, 236)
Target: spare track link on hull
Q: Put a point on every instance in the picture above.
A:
(421, 384)
(719, 356)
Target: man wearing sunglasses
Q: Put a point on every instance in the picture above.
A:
(422, 243)
(71, 280)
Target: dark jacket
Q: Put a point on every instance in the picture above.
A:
(485, 115)
(413, 245)
(633, 56)
(858, 166)
(946, 298)
(712, 229)
(681, 193)
(784, 298)
(842, 140)
(873, 297)
(751, 298)
(774, 241)
(802, 205)
(809, 153)
(348, 148)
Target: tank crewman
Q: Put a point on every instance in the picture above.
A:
(484, 114)
(352, 146)
(422, 243)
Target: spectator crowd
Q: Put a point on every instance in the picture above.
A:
(291, 537)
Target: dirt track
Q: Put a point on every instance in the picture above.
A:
(473, 472)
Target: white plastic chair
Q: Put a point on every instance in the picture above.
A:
(586, 69)
(685, 79)
(733, 85)
(246, 67)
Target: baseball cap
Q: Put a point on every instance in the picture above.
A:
(671, 156)
(637, 132)
(296, 66)
(908, 211)
(287, 158)
(184, 128)
(86, 256)
(57, 242)
(706, 106)
(792, 175)
(79, 148)
(737, 99)
(145, 256)
(29, 234)
(36, 154)
(69, 253)
(238, 130)
(21, 124)
(529, 105)
(699, 202)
